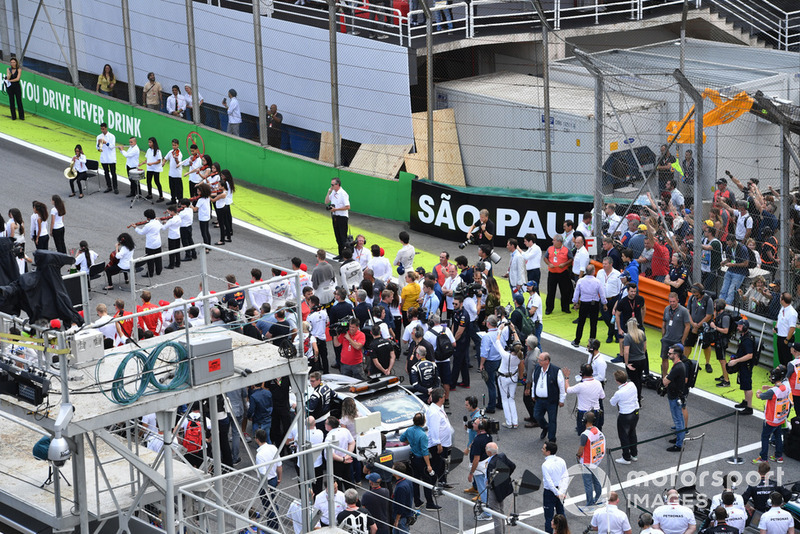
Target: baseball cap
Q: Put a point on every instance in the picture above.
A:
(642, 227)
(194, 416)
(519, 299)
(633, 216)
(743, 322)
(709, 223)
(796, 346)
(163, 303)
(304, 267)
(532, 283)
(677, 346)
(373, 477)
(722, 181)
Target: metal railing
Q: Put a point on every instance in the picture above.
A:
(358, 17)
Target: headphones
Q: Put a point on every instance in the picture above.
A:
(361, 236)
(643, 517)
(481, 424)
(594, 344)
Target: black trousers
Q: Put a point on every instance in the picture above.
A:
(43, 242)
(562, 281)
(15, 100)
(81, 176)
(225, 223)
(640, 367)
(607, 315)
(58, 239)
(111, 271)
(110, 171)
(438, 462)
(527, 400)
(322, 347)
(340, 226)
(135, 186)
(784, 355)
(626, 429)
(192, 189)
(205, 233)
(153, 175)
(187, 241)
(174, 258)
(420, 472)
(176, 188)
(587, 310)
(153, 264)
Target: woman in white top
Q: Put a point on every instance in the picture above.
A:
(85, 257)
(153, 159)
(40, 233)
(79, 165)
(120, 259)
(15, 229)
(223, 201)
(203, 209)
(509, 372)
(57, 213)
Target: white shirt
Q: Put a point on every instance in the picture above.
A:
(124, 257)
(589, 392)
(610, 520)
(405, 256)
(410, 330)
(154, 156)
(315, 437)
(776, 521)
(104, 325)
(451, 284)
(381, 268)
(194, 177)
(535, 301)
(187, 216)
(266, 453)
(281, 291)
(150, 425)
(259, 295)
(533, 257)
(204, 209)
(131, 156)
(58, 220)
(432, 333)
(673, 518)
(152, 234)
(787, 318)
(340, 199)
(737, 517)
(611, 282)
(321, 504)
(80, 164)
(173, 227)
(341, 437)
(174, 103)
(626, 399)
(82, 264)
(362, 256)
(106, 143)
(509, 363)
(175, 162)
(471, 307)
(440, 432)
(584, 229)
(554, 475)
(541, 385)
(580, 261)
(613, 221)
(599, 365)
(234, 113)
(743, 223)
(352, 274)
(738, 501)
(296, 515)
(319, 321)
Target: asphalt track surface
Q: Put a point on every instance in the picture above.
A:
(99, 218)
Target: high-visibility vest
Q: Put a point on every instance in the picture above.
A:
(595, 448)
(794, 381)
(557, 256)
(778, 406)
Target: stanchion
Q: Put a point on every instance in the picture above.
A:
(736, 459)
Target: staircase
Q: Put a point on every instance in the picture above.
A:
(774, 23)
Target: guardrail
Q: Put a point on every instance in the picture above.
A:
(361, 17)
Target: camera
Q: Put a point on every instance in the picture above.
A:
(340, 327)
(227, 315)
(19, 250)
(492, 426)
(329, 207)
(469, 241)
(662, 389)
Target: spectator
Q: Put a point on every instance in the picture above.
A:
(558, 260)
(189, 113)
(234, 113)
(151, 92)
(106, 81)
(757, 298)
(176, 104)
(274, 127)
(665, 169)
(737, 261)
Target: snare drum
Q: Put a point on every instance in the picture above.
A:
(135, 175)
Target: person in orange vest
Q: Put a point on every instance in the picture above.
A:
(793, 375)
(591, 452)
(558, 260)
(779, 402)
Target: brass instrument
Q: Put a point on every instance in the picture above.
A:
(70, 173)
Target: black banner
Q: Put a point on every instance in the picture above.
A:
(447, 213)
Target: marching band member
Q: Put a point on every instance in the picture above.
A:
(131, 156)
(195, 163)
(79, 164)
(175, 159)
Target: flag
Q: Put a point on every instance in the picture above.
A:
(677, 166)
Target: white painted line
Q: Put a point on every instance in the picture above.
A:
(238, 222)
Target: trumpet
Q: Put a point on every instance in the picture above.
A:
(69, 172)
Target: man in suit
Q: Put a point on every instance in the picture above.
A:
(498, 473)
(548, 390)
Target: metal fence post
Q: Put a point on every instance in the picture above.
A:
(126, 31)
(429, 75)
(337, 148)
(5, 41)
(736, 459)
(537, 5)
(17, 31)
(262, 111)
(73, 51)
(599, 115)
(193, 61)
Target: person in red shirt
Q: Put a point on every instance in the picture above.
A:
(440, 269)
(660, 261)
(352, 343)
(723, 192)
(152, 321)
(305, 304)
(124, 328)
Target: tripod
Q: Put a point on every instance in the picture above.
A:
(135, 176)
(50, 476)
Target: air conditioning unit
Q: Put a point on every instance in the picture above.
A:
(87, 347)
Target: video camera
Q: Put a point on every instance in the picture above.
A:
(469, 290)
(227, 315)
(492, 426)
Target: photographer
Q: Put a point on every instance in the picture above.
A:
(337, 201)
(718, 331)
(509, 372)
(351, 343)
(484, 228)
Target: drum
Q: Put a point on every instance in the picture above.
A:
(135, 175)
